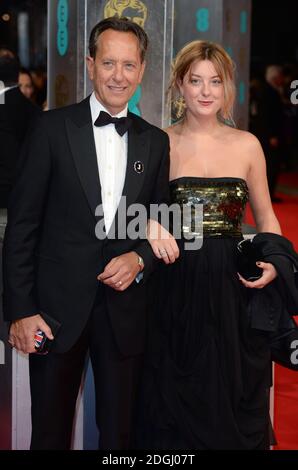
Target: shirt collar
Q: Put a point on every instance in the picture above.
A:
(96, 107)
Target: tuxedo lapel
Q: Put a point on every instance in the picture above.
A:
(82, 144)
(137, 162)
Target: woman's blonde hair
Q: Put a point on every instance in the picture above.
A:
(223, 64)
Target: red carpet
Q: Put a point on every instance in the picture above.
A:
(286, 381)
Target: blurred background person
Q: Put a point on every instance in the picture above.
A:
(26, 83)
(275, 77)
(5, 52)
(16, 115)
(266, 123)
(39, 78)
(290, 117)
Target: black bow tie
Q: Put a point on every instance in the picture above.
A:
(121, 124)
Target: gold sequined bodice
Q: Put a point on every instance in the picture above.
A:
(223, 202)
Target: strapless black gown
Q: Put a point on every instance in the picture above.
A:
(207, 372)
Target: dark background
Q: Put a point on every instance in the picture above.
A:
(37, 10)
(274, 30)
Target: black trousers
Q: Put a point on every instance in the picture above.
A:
(55, 380)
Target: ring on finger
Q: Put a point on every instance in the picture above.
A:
(163, 252)
(119, 283)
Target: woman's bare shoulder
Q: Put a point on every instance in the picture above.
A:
(251, 149)
(174, 130)
(243, 137)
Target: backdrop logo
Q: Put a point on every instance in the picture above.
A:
(243, 22)
(203, 19)
(229, 50)
(241, 93)
(134, 101)
(135, 10)
(62, 33)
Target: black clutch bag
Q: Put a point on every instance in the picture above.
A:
(248, 254)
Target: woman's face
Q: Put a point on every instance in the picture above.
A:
(26, 85)
(202, 89)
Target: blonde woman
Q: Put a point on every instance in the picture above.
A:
(208, 370)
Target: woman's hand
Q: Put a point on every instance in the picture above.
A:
(269, 273)
(162, 242)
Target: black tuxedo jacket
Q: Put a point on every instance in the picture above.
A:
(51, 254)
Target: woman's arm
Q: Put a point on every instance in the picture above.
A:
(259, 196)
(260, 202)
(162, 242)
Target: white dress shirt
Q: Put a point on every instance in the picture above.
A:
(111, 151)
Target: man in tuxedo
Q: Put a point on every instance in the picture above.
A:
(16, 116)
(55, 267)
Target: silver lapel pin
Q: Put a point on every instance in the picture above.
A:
(138, 167)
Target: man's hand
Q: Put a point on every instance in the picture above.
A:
(121, 271)
(22, 331)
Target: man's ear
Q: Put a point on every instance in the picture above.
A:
(90, 66)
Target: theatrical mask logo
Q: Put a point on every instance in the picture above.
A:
(135, 10)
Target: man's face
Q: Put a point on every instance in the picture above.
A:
(117, 69)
